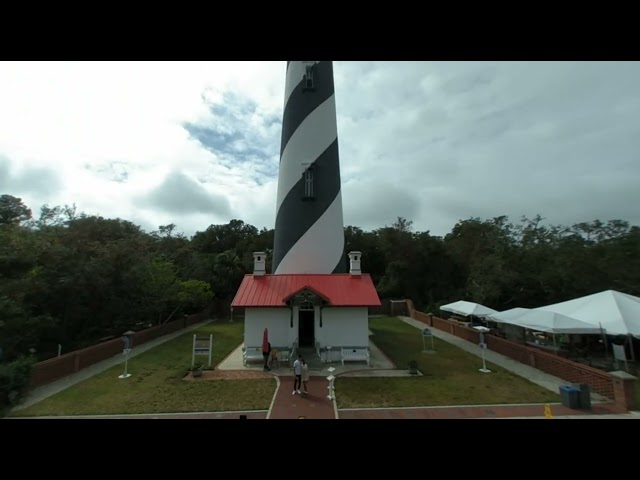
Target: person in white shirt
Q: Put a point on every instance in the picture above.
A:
(297, 372)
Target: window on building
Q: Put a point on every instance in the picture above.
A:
(308, 78)
(309, 187)
(306, 305)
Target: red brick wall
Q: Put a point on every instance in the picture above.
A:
(55, 368)
(573, 372)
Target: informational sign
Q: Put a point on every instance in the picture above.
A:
(201, 346)
(427, 333)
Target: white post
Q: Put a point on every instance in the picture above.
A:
(604, 339)
(210, 348)
(59, 349)
(126, 374)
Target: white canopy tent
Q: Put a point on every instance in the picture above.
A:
(465, 309)
(618, 313)
(545, 321)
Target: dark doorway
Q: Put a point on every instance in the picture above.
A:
(305, 328)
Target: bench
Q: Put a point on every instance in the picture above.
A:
(283, 355)
(355, 354)
(252, 354)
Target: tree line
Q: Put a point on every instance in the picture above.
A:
(72, 279)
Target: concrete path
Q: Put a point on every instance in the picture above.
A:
(253, 414)
(534, 375)
(528, 411)
(38, 394)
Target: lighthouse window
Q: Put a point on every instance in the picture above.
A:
(308, 78)
(309, 191)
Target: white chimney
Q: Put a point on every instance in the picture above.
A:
(259, 263)
(354, 263)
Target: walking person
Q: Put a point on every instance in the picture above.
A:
(305, 375)
(297, 372)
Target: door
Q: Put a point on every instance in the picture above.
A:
(305, 328)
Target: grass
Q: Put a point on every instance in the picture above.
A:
(156, 384)
(451, 376)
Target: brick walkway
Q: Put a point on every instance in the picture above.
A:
(313, 405)
(492, 411)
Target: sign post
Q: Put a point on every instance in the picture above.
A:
(126, 338)
(201, 347)
(426, 333)
(483, 347)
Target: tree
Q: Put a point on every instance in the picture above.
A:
(160, 286)
(194, 295)
(13, 211)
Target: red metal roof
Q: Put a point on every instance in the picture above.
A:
(341, 290)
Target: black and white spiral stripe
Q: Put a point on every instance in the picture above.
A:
(309, 234)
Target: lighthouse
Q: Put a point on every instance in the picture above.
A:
(309, 302)
(309, 228)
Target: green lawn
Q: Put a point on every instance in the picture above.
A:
(451, 376)
(156, 384)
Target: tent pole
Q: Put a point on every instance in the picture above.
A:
(633, 355)
(554, 340)
(606, 348)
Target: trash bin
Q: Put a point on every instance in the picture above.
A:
(570, 396)
(584, 395)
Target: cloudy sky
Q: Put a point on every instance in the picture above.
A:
(197, 143)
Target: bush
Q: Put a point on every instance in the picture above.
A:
(14, 381)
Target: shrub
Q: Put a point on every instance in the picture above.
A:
(14, 381)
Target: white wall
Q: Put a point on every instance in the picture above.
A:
(343, 326)
(277, 320)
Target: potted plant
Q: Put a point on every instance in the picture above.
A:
(196, 370)
(413, 367)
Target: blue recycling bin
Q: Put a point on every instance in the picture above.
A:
(584, 395)
(570, 396)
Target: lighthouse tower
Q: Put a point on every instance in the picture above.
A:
(309, 231)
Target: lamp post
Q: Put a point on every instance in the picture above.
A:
(126, 338)
(483, 347)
